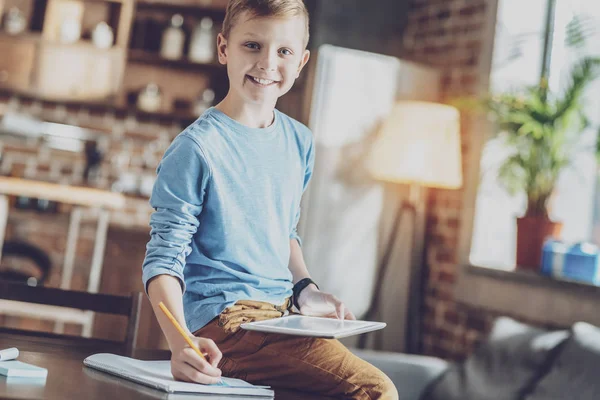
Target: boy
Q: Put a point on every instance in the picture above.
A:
(224, 248)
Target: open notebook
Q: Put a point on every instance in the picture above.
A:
(157, 374)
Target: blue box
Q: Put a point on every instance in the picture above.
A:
(578, 261)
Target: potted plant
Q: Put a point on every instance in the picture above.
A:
(543, 132)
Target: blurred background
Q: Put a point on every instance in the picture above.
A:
(92, 92)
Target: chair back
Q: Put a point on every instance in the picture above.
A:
(24, 250)
(128, 306)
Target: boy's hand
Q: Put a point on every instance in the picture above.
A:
(315, 303)
(186, 364)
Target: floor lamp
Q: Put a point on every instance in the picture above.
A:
(418, 145)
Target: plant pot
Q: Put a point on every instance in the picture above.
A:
(532, 232)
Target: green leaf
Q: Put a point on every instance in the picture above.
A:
(543, 129)
(575, 36)
(598, 146)
(582, 74)
(513, 175)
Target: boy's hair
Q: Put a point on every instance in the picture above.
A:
(264, 8)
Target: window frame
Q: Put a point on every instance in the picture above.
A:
(522, 294)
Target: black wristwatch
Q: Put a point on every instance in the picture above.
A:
(300, 286)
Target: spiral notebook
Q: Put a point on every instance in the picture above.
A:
(157, 375)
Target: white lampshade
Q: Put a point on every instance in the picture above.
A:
(419, 143)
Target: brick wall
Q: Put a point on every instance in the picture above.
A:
(130, 144)
(450, 35)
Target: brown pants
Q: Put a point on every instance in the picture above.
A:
(318, 366)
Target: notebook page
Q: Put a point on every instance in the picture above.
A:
(157, 374)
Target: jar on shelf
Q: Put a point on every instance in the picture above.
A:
(173, 39)
(150, 98)
(70, 30)
(102, 36)
(14, 21)
(204, 101)
(202, 46)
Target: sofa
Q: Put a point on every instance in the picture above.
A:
(411, 374)
(516, 361)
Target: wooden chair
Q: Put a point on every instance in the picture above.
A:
(86, 202)
(128, 306)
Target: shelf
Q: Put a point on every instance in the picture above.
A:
(25, 36)
(84, 44)
(116, 106)
(144, 57)
(108, 1)
(162, 115)
(214, 7)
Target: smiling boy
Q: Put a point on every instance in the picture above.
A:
(224, 248)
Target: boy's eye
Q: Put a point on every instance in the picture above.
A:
(286, 52)
(251, 45)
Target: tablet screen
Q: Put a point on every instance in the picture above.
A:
(313, 326)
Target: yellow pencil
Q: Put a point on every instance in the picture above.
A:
(180, 329)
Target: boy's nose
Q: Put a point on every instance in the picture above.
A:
(268, 62)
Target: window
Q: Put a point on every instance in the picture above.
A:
(530, 39)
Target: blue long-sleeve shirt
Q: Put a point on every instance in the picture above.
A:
(227, 202)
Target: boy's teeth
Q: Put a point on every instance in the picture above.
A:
(263, 81)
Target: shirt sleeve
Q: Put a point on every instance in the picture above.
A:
(177, 198)
(310, 163)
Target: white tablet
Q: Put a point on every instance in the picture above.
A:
(301, 325)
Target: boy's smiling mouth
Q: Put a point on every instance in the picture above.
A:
(261, 82)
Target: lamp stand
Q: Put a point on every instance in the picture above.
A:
(412, 324)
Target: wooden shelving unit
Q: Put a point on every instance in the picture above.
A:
(146, 57)
(38, 62)
(182, 79)
(133, 66)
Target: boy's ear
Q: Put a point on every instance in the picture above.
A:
(222, 49)
(305, 58)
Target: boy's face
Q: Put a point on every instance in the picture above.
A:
(264, 56)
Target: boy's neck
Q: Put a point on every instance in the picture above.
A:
(249, 115)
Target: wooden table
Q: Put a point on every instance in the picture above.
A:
(69, 379)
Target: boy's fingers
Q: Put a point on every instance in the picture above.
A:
(189, 356)
(188, 373)
(349, 315)
(210, 347)
(340, 310)
(214, 360)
